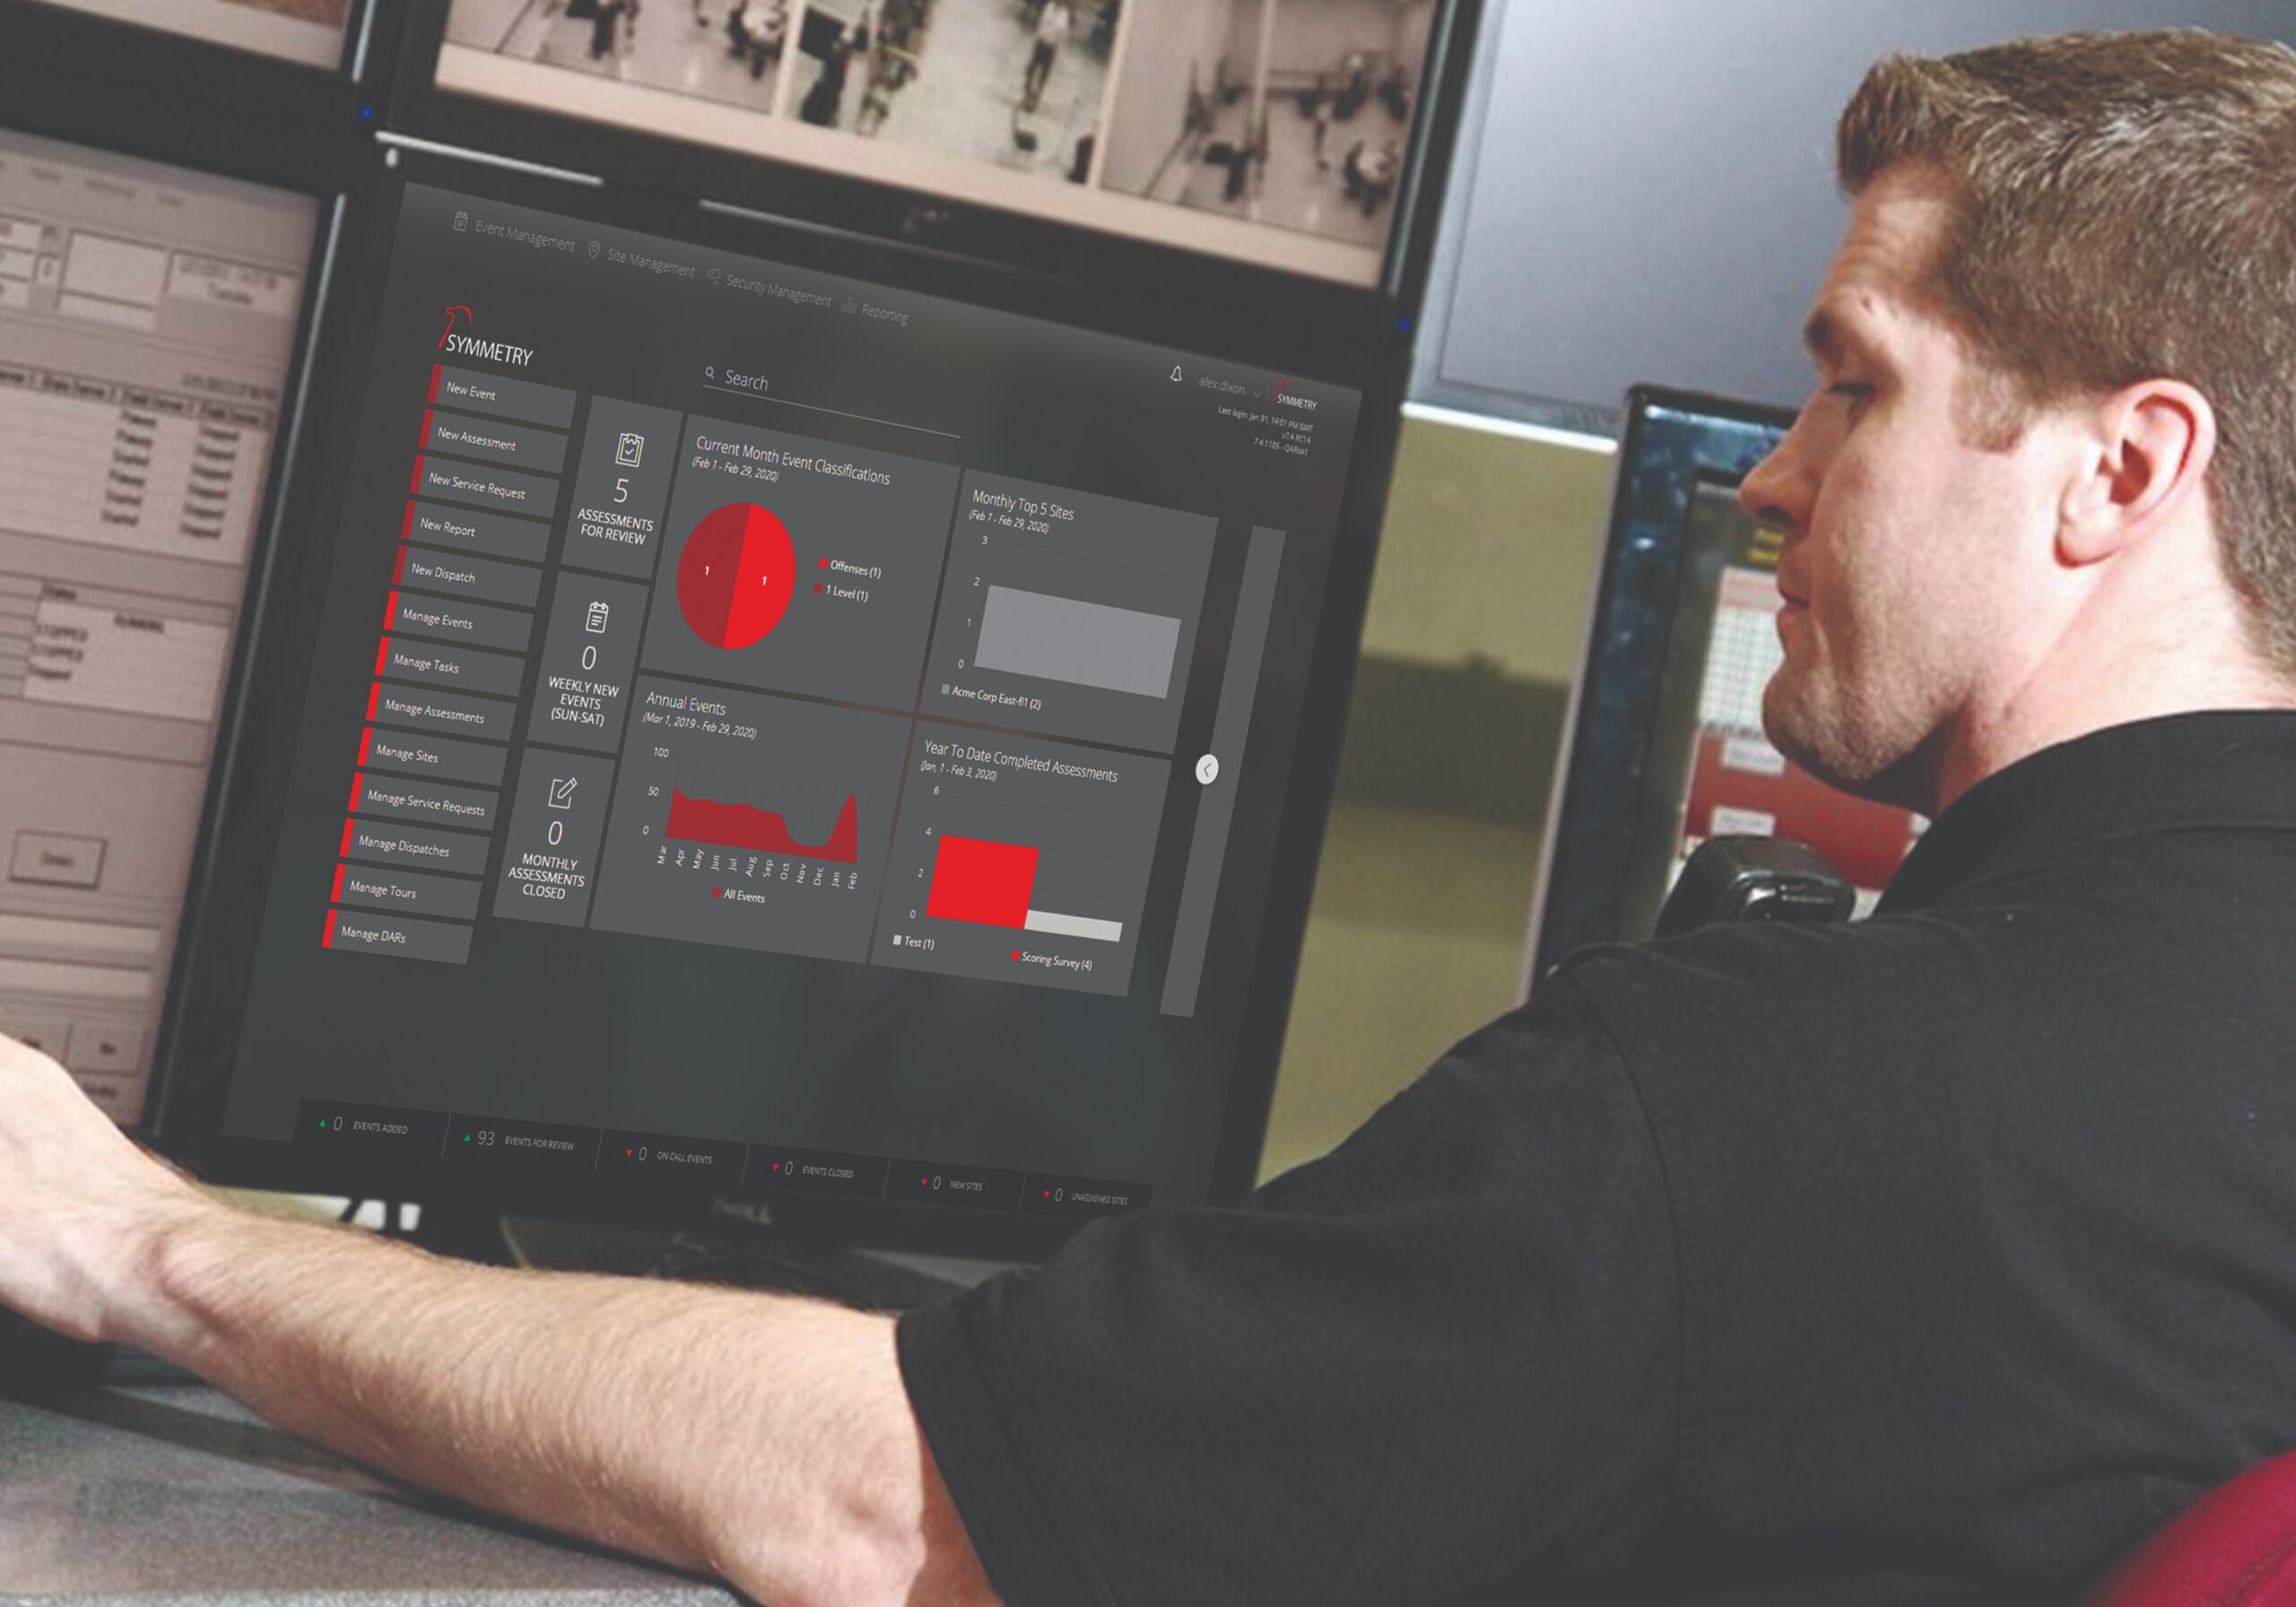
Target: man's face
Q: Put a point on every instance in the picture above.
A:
(1907, 544)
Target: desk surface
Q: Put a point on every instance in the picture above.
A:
(174, 1492)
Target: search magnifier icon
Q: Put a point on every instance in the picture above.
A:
(710, 372)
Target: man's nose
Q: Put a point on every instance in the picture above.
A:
(1772, 491)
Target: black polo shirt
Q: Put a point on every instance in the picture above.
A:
(1937, 1258)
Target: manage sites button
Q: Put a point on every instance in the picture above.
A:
(1063, 1193)
(385, 1128)
(968, 1187)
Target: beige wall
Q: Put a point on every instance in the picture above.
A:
(1415, 937)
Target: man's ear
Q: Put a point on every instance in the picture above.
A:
(2145, 454)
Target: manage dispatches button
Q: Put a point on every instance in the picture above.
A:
(491, 1141)
(415, 1134)
(816, 1172)
(937, 1183)
(1062, 1193)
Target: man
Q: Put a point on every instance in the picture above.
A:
(1051, 33)
(1934, 1259)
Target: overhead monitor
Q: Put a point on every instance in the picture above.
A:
(769, 731)
(148, 319)
(1278, 133)
(1666, 747)
(306, 31)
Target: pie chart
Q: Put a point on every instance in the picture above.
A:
(735, 575)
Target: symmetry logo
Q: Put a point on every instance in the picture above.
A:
(1285, 397)
(455, 339)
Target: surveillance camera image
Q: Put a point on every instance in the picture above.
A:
(1273, 132)
(1290, 113)
(725, 50)
(1018, 83)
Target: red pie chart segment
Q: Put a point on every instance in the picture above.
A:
(735, 575)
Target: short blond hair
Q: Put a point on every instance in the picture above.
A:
(2124, 209)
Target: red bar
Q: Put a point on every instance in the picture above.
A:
(407, 526)
(336, 896)
(426, 428)
(433, 393)
(398, 570)
(391, 609)
(975, 880)
(348, 828)
(328, 941)
(415, 481)
(382, 654)
(374, 696)
(355, 779)
(365, 744)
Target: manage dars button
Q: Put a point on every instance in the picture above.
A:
(1061, 1194)
(968, 1187)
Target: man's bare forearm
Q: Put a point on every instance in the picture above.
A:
(765, 1439)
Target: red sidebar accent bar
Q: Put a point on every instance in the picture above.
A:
(407, 526)
(328, 942)
(391, 609)
(366, 744)
(382, 654)
(433, 393)
(415, 481)
(336, 896)
(398, 570)
(426, 428)
(356, 780)
(374, 696)
(348, 828)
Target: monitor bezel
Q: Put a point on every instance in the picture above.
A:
(224, 924)
(1670, 439)
(1134, 269)
(197, 78)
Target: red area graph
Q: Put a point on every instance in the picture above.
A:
(736, 575)
(976, 880)
(762, 830)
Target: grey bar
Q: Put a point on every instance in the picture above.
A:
(365, 932)
(472, 623)
(475, 530)
(1089, 644)
(474, 391)
(404, 798)
(387, 842)
(466, 668)
(491, 440)
(409, 892)
(424, 710)
(418, 753)
(505, 490)
(1208, 853)
(481, 579)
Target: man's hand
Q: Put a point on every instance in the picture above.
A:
(84, 1205)
(765, 1439)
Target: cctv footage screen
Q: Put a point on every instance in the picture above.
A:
(781, 732)
(1270, 134)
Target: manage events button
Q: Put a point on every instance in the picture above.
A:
(414, 1133)
(1060, 1193)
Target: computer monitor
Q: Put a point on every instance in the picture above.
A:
(1285, 137)
(308, 32)
(785, 720)
(1666, 745)
(150, 318)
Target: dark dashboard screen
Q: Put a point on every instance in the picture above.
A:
(777, 731)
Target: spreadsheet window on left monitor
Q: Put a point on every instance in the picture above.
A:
(147, 319)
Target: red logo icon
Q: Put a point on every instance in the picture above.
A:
(452, 312)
